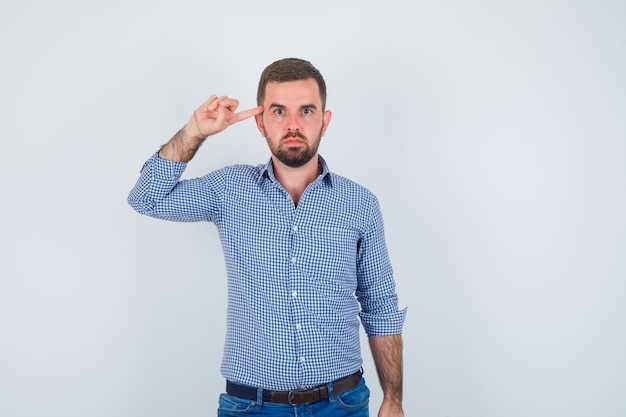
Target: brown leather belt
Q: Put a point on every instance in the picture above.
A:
(296, 397)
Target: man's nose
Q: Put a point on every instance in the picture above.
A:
(293, 123)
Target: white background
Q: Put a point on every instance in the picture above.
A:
(493, 133)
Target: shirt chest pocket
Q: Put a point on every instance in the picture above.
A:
(329, 253)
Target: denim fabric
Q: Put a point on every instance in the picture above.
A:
(353, 403)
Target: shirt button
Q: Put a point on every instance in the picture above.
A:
(302, 359)
(293, 260)
(298, 326)
(295, 228)
(294, 293)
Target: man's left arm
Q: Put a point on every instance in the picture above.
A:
(380, 316)
(387, 354)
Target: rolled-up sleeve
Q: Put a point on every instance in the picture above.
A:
(376, 290)
(160, 193)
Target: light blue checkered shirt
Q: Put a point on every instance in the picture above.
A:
(299, 278)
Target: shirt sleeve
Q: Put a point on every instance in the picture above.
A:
(376, 289)
(160, 193)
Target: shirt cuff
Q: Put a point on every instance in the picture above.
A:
(164, 169)
(383, 325)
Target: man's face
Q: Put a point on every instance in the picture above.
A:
(293, 121)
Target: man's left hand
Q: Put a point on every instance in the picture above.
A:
(390, 409)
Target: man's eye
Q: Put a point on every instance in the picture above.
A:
(280, 112)
(307, 112)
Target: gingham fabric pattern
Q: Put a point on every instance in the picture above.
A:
(299, 278)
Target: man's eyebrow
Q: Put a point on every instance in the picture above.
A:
(304, 106)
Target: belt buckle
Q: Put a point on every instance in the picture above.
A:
(290, 398)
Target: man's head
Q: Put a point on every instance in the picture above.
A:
(293, 95)
(290, 69)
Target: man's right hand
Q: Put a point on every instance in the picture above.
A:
(213, 116)
(216, 114)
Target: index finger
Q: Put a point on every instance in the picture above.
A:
(245, 114)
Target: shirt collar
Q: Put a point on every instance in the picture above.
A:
(267, 171)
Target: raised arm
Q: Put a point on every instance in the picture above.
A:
(159, 191)
(213, 116)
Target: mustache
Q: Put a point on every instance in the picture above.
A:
(294, 135)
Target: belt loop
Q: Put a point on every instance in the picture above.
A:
(259, 397)
(331, 396)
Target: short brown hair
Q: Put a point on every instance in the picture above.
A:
(290, 69)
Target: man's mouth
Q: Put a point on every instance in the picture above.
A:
(293, 139)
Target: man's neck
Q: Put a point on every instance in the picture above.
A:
(295, 180)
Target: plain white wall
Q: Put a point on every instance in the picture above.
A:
(494, 134)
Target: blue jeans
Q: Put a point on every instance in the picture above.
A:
(353, 403)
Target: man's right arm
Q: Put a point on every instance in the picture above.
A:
(182, 147)
(159, 191)
(213, 116)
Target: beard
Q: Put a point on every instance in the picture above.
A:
(294, 156)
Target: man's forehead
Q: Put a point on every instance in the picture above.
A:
(293, 91)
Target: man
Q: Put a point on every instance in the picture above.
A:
(305, 255)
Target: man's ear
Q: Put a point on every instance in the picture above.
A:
(258, 118)
(327, 116)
